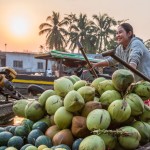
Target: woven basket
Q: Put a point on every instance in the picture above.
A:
(6, 112)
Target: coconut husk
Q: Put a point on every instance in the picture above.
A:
(51, 131)
(89, 106)
(79, 128)
(63, 137)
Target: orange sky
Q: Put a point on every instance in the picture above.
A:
(20, 19)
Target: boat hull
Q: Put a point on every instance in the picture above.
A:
(21, 82)
(6, 112)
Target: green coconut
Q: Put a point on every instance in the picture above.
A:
(27, 124)
(11, 148)
(145, 116)
(108, 97)
(79, 84)
(109, 140)
(119, 110)
(87, 92)
(92, 142)
(60, 147)
(98, 119)
(43, 97)
(34, 111)
(118, 147)
(142, 88)
(129, 121)
(104, 86)
(122, 79)
(73, 101)
(71, 79)
(63, 118)
(75, 77)
(136, 104)
(19, 107)
(31, 148)
(76, 143)
(62, 86)
(52, 104)
(96, 81)
(46, 119)
(131, 141)
(52, 120)
(144, 130)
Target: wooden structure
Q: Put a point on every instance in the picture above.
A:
(66, 59)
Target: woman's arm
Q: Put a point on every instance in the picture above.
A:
(133, 65)
(103, 63)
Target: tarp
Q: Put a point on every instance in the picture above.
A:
(75, 56)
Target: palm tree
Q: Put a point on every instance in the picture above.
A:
(81, 29)
(104, 30)
(55, 33)
(70, 18)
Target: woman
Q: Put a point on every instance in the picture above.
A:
(131, 49)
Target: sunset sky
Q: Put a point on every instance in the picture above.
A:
(20, 19)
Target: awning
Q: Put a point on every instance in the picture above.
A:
(69, 59)
(74, 56)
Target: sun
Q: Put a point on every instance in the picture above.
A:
(19, 26)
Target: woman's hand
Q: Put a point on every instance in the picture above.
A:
(94, 65)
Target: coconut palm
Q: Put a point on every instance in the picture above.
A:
(70, 18)
(55, 32)
(104, 29)
(81, 29)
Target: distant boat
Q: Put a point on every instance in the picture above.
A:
(22, 81)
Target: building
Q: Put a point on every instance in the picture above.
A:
(24, 62)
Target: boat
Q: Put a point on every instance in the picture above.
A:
(21, 82)
(67, 63)
(8, 95)
(6, 112)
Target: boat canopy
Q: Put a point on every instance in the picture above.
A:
(75, 56)
(68, 59)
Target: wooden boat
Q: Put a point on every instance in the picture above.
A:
(6, 112)
(22, 81)
(7, 95)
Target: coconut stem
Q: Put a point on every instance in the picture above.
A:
(111, 132)
(129, 89)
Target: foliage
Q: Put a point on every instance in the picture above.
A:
(96, 35)
(55, 33)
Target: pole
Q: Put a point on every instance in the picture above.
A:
(5, 46)
(112, 54)
(84, 55)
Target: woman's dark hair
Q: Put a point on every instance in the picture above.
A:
(127, 27)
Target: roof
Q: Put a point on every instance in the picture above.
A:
(17, 52)
(75, 56)
(64, 55)
(69, 59)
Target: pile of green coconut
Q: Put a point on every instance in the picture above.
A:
(77, 115)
